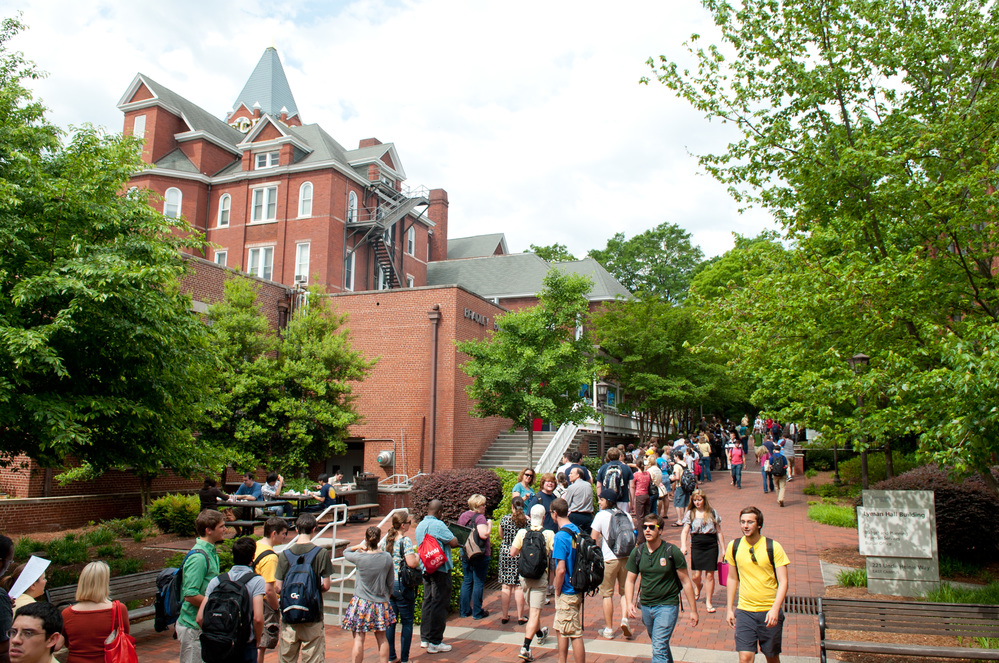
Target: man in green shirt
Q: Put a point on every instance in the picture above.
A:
(200, 566)
(664, 573)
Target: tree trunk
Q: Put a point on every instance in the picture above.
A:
(889, 465)
(145, 491)
(990, 480)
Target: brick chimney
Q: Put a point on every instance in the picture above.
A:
(368, 142)
(438, 214)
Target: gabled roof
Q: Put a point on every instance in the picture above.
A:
(605, 286)
(196, 118)
(515, 274)
(268, 86)
(284, 130)
(373, 153)
(479, 246)
(176, 160)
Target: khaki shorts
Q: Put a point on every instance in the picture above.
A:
(615, 570)
(272, 628)
(567, 617)
(535, 590)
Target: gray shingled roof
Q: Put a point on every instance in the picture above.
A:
(176, 160)
(605, 286)
(473, 247)
(200, 119)
(493, 276)
(324, 147)
(268, 86)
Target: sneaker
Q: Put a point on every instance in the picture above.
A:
(543, 638)
(433, 649)
(606, 633)
(423, 643)
(780, 502)
(626, 628)
(526, 654)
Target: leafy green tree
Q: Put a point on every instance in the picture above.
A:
(534, 365)
(284, 401)
(658, 262)
(869, 131)
(101, 359)
(552, 253)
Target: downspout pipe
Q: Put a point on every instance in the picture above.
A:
(435, 319)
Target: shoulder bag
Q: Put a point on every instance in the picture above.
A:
(119, 647)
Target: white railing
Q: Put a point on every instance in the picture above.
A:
(556, 447)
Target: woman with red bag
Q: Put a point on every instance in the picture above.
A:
(96, 628)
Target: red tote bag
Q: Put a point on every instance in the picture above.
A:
(119, 646)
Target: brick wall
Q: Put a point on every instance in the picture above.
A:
(45, 514)
(205, 281)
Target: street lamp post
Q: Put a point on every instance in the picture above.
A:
(857, 363)
(602, 402)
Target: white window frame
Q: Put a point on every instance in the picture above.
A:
(302, 251)
(264, 198)
(139, 126)
(348, 270)
(305, 200)
(410, 281)
(168, 205)
(260, 262)
(383, 279)
(263, 160)
(352, 207)
(411, 241)
(389, 234)
(225, 207)
(220, 258)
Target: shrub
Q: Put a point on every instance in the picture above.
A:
(68, 550)
(224, 550)
(833, 514)
(125, 566)
(852, 578)
(60, 577)
(967, 529)
(299, 484)
(950, 567)
(822, 459)
(175, 513)
(453, 488)
(810, 489)
(850, 470)
(811, 473)
(99, 537)
(111, 550)
(25, 547)
(948, 593)
(592, 463)
(132, 527)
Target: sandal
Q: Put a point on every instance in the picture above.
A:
(505, 620)
(521, 621)
(712, 609)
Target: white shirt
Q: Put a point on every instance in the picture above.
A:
(601, 523)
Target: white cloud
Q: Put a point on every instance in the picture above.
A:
(529, 114)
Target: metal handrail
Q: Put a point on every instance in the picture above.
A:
(556, 447)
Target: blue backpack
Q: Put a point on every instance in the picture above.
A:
(301, 599)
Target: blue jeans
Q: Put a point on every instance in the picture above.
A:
(737, 475)
(403, 601)
(470, 598)
(706, 468)
(660, 620)
(767, 479)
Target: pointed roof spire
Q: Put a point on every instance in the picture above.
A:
(268, 87)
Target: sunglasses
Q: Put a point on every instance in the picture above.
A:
(656, 527)
(752, 555)
(528, 476)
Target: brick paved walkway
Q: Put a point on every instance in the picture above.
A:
(710, 641)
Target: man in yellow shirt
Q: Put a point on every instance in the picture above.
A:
(265, 563)
(758, 572)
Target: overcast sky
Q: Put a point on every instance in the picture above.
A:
(529, 114)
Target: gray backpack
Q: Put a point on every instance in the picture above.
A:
(621, 534)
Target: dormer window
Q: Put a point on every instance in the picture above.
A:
(267, 160)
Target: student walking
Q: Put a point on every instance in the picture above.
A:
(265, 562)
(759, 577)
(702, 525)
(369, 609)
(509, 578)
(532, 548)
(613, 531)
(568, 603)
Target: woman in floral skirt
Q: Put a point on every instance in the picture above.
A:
(370, 610)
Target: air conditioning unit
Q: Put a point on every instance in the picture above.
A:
(301, 278)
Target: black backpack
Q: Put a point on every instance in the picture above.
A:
(227, 620)
(168, 589)
(301, 599)
(588, 572)
(688, 482)
(778, 465)
(614, 480)
(533, 560)
(621, 534)
(408, 576)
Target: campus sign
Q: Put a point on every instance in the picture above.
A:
(898, 534)
(479, 318)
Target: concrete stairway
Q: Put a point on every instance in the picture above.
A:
(509, 450)
(332, 609)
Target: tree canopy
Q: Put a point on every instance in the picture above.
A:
(284, 401)
(101, 358)
(552, 253)
(535, 364)
(658, 262)
(869, 131)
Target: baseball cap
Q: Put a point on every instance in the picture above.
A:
(608, 494)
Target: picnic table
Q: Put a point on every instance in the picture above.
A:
(357, 500)
(249, 518)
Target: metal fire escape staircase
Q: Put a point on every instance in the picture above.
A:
(392, 205)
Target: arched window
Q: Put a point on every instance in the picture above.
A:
(224, 204)
(171, 202)
(305, 200)
(352, 208)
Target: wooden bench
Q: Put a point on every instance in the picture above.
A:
(132, 587)
(963, 620)
(358, 508)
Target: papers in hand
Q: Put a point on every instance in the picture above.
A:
(33, 570)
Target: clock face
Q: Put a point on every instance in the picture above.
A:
(242, 124)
